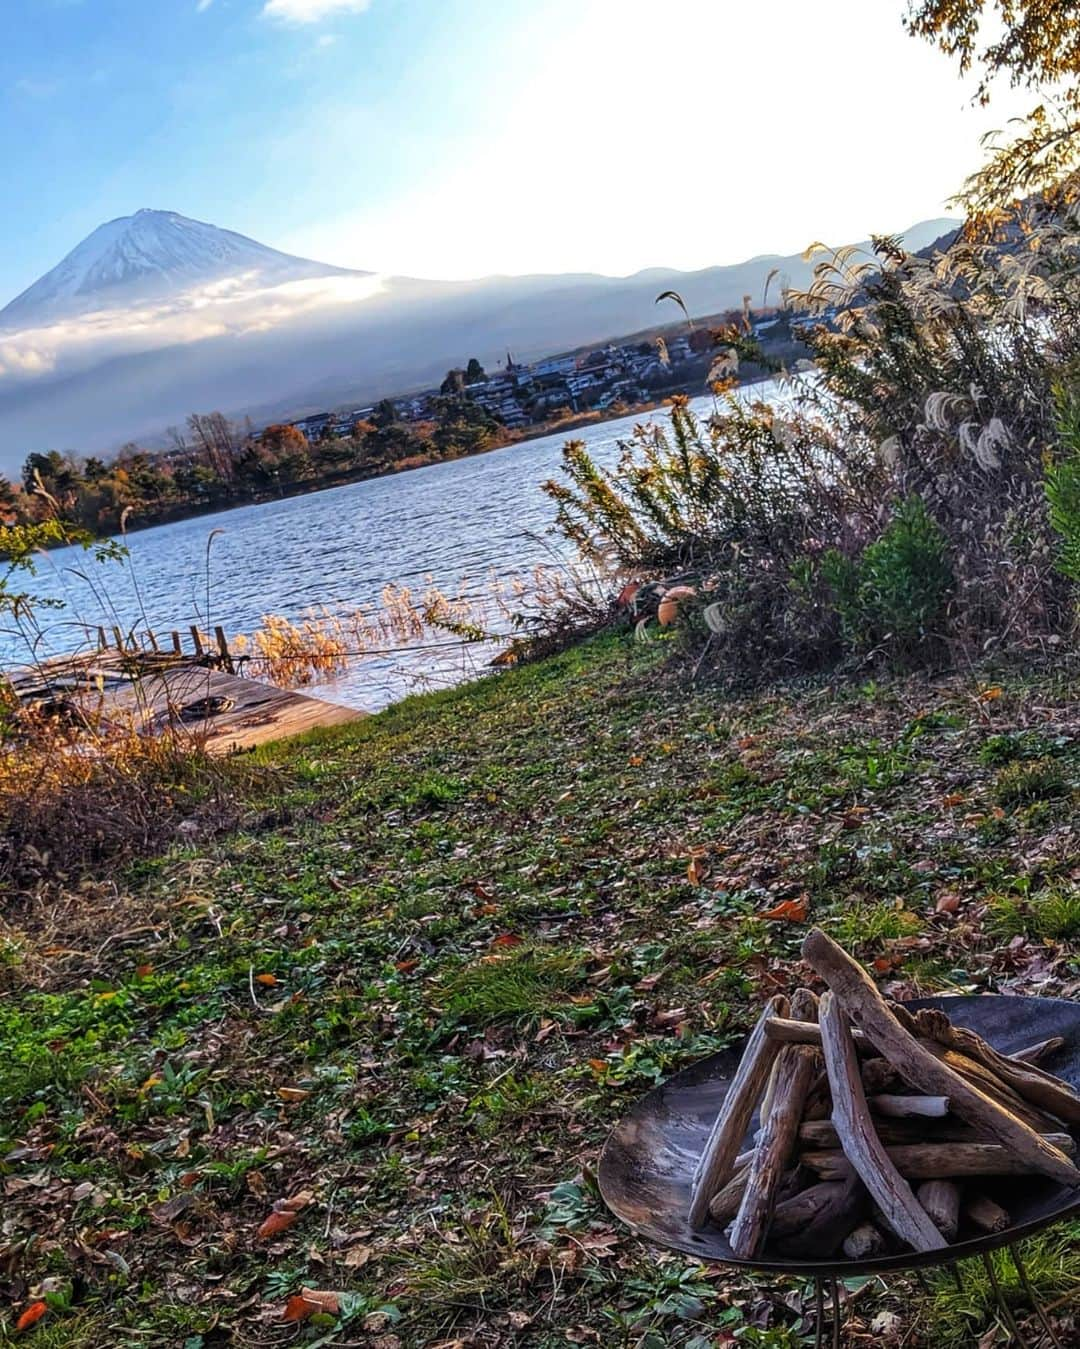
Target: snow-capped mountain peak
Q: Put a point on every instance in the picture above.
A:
(149, 255)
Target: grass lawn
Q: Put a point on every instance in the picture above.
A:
(372, 1042)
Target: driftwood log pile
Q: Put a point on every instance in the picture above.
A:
(879, 1129)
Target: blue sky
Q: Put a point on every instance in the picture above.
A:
(458, 137)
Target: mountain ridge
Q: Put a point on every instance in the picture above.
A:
(125, 345)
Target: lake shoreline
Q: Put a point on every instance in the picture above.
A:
(330, 481)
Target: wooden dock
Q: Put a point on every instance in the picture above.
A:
(192, 694)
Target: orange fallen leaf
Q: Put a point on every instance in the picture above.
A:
(507, 939)
(299, 1308)
(697, 870)
(32, 1315)
(789, 910)
(293, 1093)
(144, 971)
(268, 979)
(404, 966)
(990, 695)
(598, 1066)
(279, 1221)
(636, 760)
(953, 799)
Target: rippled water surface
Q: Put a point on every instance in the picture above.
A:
(457, 523)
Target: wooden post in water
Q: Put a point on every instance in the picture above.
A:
(223, 649)
(153, 640)
(118, 638)
(102, 640)
(177, 645)
(196, 637)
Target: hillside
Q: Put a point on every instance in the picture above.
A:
(448, 947)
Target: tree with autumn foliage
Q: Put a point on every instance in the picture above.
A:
(1032, 44)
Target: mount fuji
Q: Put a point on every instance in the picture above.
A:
(148, 255)
(154, 316)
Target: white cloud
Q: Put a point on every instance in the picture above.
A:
(232, 306)
(311, 11)
(203, 6)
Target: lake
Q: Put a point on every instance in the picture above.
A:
(457, 525)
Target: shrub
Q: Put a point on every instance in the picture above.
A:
(1063, 484)
(71, 801)
(895, 594)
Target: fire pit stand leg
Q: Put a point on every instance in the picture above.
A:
(1006, 1310)
(819, 1313)
(835, 1289)
(1032, 1297)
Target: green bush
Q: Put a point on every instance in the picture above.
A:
(896, 594)
(1063, 484)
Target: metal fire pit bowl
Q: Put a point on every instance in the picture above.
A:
(648, 1161)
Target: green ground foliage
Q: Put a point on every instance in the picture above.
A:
(372, 1041)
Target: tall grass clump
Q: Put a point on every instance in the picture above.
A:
(72, 798)
(916, 497)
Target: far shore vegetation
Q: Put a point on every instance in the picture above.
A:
(215, 462)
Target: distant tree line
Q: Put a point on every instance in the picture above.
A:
(212, 462)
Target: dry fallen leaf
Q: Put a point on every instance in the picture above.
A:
(507, 939)
(293, 1093)
(276, 1223)
(298, 1309)
(697, 870)
(357, 1257)
(284, 1214)
(32, 1315)
(268, 979)
(789, 910)
(325, 1299)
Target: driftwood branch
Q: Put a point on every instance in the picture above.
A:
(928, 1161)
(791, 1032)
(717, 1161)
(909, 1107)
(941, 1200)
(836, 1210)
(859, 998)
(1029, 1082)
(1036, 1053)
(851, 1115)
(866, 1242)
(793, 1074)
(984, 1213)
(797, 1065)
